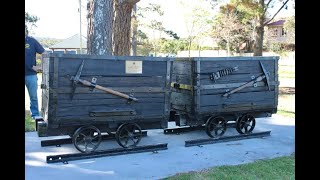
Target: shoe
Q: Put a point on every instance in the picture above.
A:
(37, 117)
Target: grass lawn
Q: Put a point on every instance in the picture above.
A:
(277, 168)
(286, 99)
(286, 71)
(30, 124)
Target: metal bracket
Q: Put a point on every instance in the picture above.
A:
(93, 84)
(181, 86)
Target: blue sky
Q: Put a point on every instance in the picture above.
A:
(61, 18)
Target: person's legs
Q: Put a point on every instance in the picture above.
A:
(31, 82)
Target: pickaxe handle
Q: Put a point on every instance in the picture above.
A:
(108, 90)
(244, 85)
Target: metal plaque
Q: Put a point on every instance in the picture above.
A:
(133, 67)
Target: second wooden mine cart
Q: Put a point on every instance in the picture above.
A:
(214, 90)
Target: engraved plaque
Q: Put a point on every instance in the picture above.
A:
(133, 67)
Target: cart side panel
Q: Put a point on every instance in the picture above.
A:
(143, 78)
(256, 97)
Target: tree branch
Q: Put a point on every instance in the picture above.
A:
(275, 13)
(265, 10)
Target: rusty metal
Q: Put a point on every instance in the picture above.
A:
(87, 139)
(199, 142)
(61, 141)
(128, 135)
(216, 126)
(65, 158)
(191, 128)
(245, 124)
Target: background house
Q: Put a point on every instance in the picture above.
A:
(275, 31)
(71, 45)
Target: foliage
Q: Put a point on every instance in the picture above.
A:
(30, 21)
(48, 42)
(152, 31)
(170, 46)
(29, 125)
(172, 34)
(198, 20)
(281, 48)
(258, 12)
(289, 27)
(230, 28)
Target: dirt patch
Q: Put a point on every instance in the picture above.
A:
(287, 90)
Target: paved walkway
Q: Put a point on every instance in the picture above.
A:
(177, 159)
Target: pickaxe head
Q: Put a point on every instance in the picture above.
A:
(266, 74)
(75, 79)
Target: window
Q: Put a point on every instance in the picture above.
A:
(283, 33)
(274, 32)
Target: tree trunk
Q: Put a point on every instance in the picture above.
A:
(258, 43)
(122, 27)
(134, 30)
(189, 47)
(259, 31)
(228, 48)
(100, 22)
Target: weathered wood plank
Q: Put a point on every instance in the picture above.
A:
(181, 98)
(252, 66)
(104, 68)
(238, 109)
(97, 96)
(152, 81)
(232, 78)
(109, 58)
(244, 90)
(141, 109)
(182, 79)
(237, 58)
(76, 120)
(85, 89)
(182, 67)
(103, 101)
(247, 97)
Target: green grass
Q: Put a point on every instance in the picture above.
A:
(286, 113)
(286, 105)
(277, 168)
(286, 71)
(29, 124)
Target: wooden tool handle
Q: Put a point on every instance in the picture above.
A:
(108, 90)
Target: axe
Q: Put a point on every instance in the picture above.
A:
(76, 79)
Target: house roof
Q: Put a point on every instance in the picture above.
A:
(277, 23)
(72, 42)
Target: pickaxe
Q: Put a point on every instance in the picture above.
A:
(76, 79)
(265, 75)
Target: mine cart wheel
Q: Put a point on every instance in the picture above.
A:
(87, 139)
(216, 126)
(128, 135)
(245, 124)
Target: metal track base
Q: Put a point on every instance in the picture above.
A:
(58, 142)
(188, 129)
(198, 142)
(64, 158)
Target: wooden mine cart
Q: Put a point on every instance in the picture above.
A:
(214, 90)
(85, 95)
